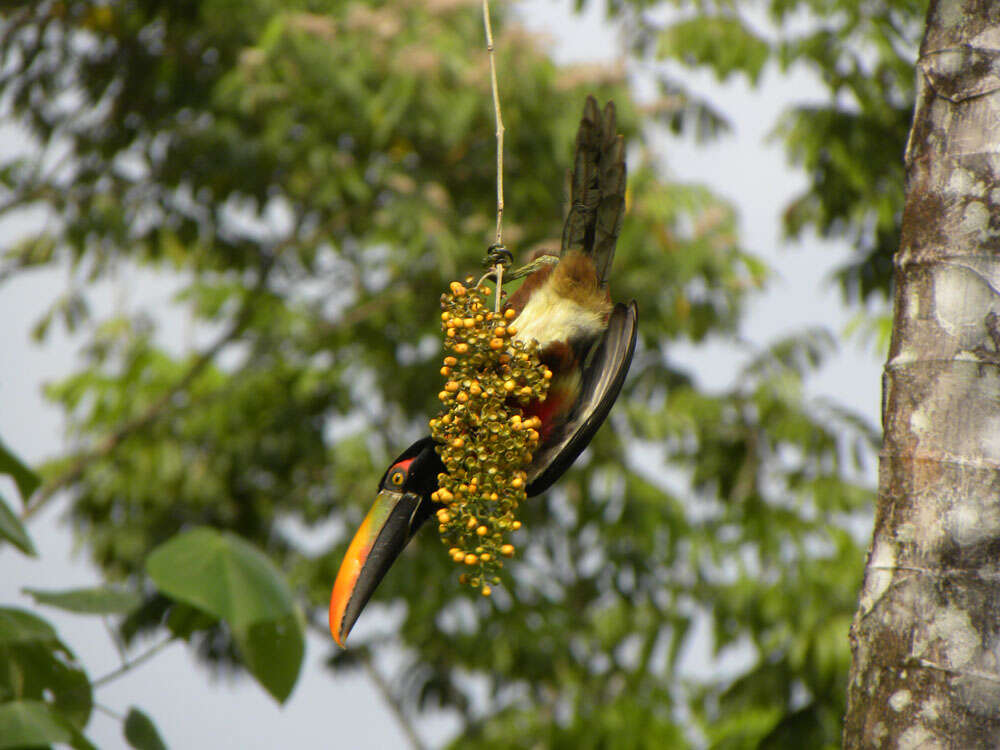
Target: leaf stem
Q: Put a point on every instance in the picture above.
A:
(109, 711)
(128, 666)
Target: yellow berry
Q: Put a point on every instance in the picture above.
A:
(482, 531)
(487, 591)
(509, 313)
(471, 559)
(516, 525)
(507, 550)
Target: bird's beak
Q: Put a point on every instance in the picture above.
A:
(382, 536)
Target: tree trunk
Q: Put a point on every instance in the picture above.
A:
(926, 637)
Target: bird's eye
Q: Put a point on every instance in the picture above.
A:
(397, 477)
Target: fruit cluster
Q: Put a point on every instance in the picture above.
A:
(483, 438)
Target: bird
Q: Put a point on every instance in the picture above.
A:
(585, 339)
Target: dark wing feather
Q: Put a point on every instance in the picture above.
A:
(602, 380)
(597, 188)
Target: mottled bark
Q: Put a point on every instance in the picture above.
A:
(926, 637)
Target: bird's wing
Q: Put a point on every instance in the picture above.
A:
(602, 379)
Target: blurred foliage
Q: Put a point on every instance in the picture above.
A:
(849, 135)
(314, 174)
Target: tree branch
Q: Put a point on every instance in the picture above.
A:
(395, 705)
(106, 446)
(384, 689)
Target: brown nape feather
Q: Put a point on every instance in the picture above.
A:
(576, 279)
(529, 286)
(573, 278)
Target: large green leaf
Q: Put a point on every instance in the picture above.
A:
(95, 600)
(221, 574)
(272, 650)
(26, 480)
(33, 724)
(226, 577)
(140, 731)
(13, 530)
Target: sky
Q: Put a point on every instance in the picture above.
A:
(194, 710)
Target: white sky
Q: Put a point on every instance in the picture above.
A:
(345, 711)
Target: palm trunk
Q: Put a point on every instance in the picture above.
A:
(926, 637)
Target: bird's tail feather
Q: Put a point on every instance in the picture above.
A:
(597, 188)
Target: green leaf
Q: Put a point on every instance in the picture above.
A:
(272, 651)
(26, 480)
(226, 577)
(724, 43)
(33, 724)
(96, 600)
(183, 620)
(19, 626)
(13, 530)
(37, 665)
(221, 574)
(140, 732)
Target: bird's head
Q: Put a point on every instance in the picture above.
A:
(402, 505)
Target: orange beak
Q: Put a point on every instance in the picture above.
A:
(376, 545)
